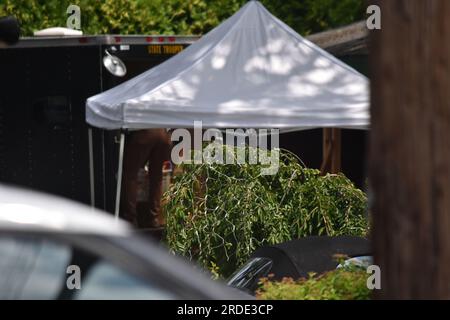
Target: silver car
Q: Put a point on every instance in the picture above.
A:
(52, 248)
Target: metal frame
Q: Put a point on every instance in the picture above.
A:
(119, 172)
(119, 175)
(91, 168)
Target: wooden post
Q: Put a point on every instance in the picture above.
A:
(336, 151)
(410, 148)
(331, 151)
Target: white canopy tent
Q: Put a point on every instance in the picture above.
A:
(252, 71)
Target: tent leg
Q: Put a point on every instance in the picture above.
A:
(119, 175)
(91, 168)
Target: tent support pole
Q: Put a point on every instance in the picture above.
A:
(91, 168)
(119, 175)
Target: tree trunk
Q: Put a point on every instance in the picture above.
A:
(410, 148)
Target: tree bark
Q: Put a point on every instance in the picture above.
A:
(410, 148)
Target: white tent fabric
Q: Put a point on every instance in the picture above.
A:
(252, 71)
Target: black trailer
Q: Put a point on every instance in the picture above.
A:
(44, 138)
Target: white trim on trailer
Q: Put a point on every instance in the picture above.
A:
(61, 41)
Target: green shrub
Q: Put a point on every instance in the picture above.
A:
(219, 214)
(339, 284)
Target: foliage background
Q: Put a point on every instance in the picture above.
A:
(340, 284)
(176, 16)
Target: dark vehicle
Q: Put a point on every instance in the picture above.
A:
(51, 248)
(297, 258)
